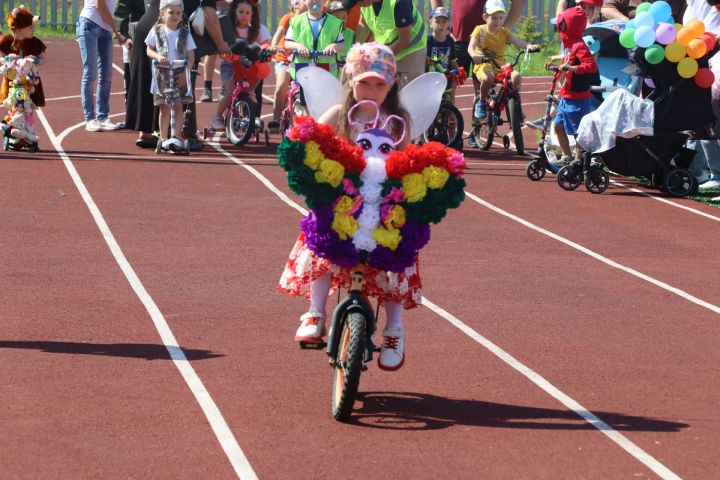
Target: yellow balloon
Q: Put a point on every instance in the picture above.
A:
(696, 48)
(684, 36)
(678, 27)
(674, 52)
(697, 27)
(687, 67)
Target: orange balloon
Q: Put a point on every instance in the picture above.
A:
(695, 26)
(684, 36)
(696, 48)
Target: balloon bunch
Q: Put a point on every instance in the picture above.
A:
(654, 29)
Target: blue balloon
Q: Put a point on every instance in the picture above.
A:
(630, 24)
(645, 19)
(660, 11)
(644, 36)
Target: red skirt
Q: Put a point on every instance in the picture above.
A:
(304, 266)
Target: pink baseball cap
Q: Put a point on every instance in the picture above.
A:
(371, 60)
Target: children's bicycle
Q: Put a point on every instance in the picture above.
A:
(537, 167)
(501, 98)
(350, 345)
(449, 125)
(241, 117)
(171, 97)
(294, 101)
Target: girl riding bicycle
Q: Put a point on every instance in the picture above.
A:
(488, 41)
(245, 15)
(371, 72)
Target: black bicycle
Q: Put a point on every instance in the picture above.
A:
(448, 126)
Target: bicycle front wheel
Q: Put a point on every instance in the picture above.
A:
(515, 117)
(447, 127)
(240, 121)
(348, 365)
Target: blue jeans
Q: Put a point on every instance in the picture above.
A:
(707, 156)
(96, 51)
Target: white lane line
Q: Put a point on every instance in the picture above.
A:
(229, 444)
(666, 201)
(71, 128)
(681, 293)
(545, 385)
(638, 453)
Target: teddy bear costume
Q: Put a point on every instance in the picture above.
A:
(16, 19)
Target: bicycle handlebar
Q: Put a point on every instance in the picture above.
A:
(484, 59)
(171, 64)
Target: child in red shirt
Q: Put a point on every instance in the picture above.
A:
(581, 73)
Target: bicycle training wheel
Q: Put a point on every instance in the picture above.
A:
(348, 365)
(514, 112)
(240, 122)
(447, 128)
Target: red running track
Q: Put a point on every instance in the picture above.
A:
(551, 362)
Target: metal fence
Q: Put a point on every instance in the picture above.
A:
(64, 13)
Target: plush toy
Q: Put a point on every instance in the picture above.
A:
(19, 128)
(18, 99)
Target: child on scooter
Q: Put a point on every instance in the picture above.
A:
(167, 42)
(489, 40)
(372, 75)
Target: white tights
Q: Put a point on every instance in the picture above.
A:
(320, 288)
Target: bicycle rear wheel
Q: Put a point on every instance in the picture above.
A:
(515, 116)
(447, 128)
(348, 365)
(240, 122)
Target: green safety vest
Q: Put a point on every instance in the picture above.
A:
(303, 34)
(383, 27)
(349, 38)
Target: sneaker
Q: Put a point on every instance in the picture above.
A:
(92, 126)
(564, 160)
(274, 126)
(480, 110)
(392, 352)
(106, 125)
(715, 199)
(710, 185)
(218, 123)
(206, 96)
(535, 124)
(312, 327)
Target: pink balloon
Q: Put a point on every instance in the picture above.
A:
(704, 78)
(665, 33)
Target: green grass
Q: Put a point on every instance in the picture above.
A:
(703, 197)
(67, 33)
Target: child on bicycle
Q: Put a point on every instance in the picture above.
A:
(166, 42)
(581, 72)
(372, 75)
(282, 63)
(245, 15)
(488, 41)
(318, 31)
(441, 48)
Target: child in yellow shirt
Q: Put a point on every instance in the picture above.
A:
(489, 40)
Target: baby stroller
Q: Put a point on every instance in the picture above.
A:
(656, 151)
(612, 59)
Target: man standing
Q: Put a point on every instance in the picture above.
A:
(399, 25)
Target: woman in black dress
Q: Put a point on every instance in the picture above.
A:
(141, 113)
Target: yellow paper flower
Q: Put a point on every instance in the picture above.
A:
(389, 238)
(343, 205)
(313, 155)
(396, 217)
(435, 177)
(414, 187)
(344, 225)
(330, 172)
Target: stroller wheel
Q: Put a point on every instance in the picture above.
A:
(535, 170)
(597, 180)
(679, 183)
(569, 177)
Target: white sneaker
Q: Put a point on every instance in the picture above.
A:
(710, 185)
(392, 352)
(106, 125)
(218, 123)
(312, 327)
(92, 126)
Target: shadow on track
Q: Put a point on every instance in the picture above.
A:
(420, 411)
(146, 351)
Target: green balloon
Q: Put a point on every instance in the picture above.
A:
(643, 7)
(654, 54)
(627, 38)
